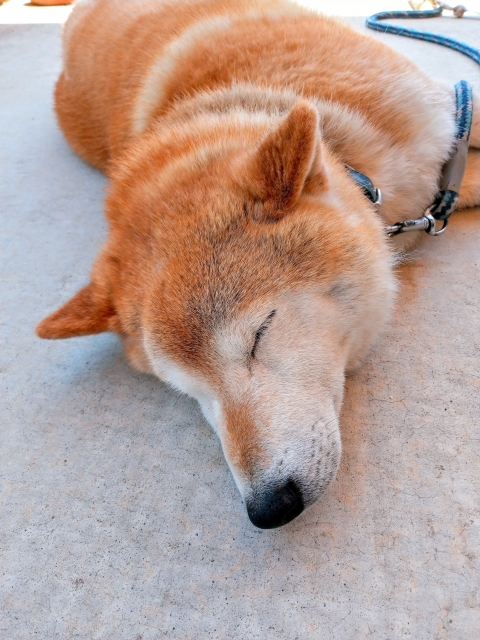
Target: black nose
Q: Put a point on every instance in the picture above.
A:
(276, 507)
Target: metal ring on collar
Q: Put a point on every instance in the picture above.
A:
(432, 230)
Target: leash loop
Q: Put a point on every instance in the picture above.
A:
(454, 169)
(452, 173)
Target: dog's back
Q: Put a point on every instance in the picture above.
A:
(111, 50)
(127, 62)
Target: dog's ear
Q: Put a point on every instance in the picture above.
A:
(89, 311)
(285, 160)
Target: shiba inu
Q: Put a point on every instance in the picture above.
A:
(244, 265)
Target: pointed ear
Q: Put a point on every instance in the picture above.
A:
(89, 311)
(285, 159)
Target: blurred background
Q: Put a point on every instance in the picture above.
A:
(21, 12)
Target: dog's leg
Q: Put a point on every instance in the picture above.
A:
(470, 189)
(475, 132)
(135, 353)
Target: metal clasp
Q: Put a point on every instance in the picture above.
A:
(425, 223)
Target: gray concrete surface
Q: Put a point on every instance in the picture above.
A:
(119, 517)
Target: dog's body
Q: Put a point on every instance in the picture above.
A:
(244, 266)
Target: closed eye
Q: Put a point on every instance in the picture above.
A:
(261, 331)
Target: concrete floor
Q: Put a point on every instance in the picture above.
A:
(119, 517)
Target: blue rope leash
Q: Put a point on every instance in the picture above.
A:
(374, 22)
(447, 198)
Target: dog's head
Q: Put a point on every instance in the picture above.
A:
(245, 269)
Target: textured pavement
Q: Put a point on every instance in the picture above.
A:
(119, 517)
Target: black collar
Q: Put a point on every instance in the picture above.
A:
(367, 186)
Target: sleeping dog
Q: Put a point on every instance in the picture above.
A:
(244, 264)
